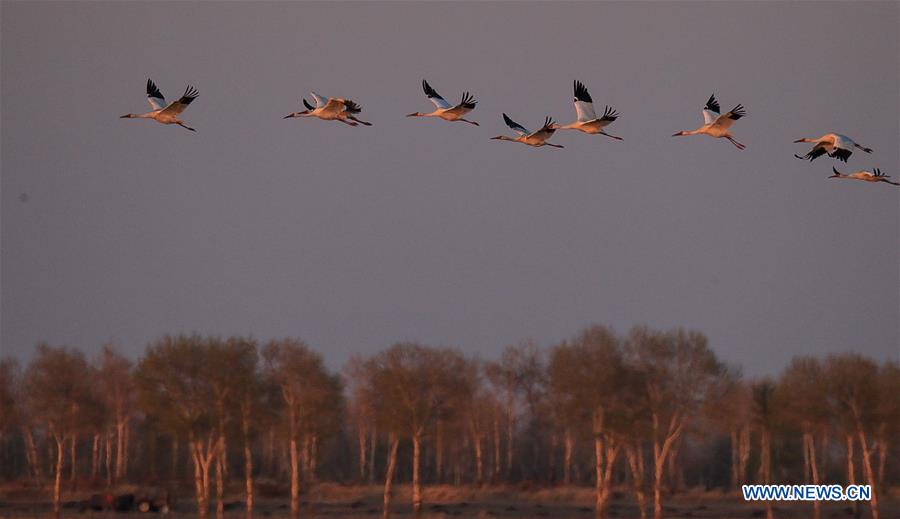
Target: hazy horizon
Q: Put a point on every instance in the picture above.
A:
(418, 229)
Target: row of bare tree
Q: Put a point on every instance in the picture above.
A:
(652, 411)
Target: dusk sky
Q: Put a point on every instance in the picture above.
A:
(419, 229)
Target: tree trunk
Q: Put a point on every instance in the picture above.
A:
(479, 463)
(73, 450)
(416, 487)
(660, 453)
(744, 461)
(199, 478)
(867, 469)
(220, 479)
(361, 440)
(248, 463)
(851, 472)
(295, 478)
(175, 457)
(109, 472)
(439, 452)
(509, 436)
(735, 457)
(600, 503)
(765, 468)
(810, 454)
(496, 468)
(57, 483)
(120, 449)
(567, 457)
(31, 453)
(373, 442)
(635, 457)
(95, 457)
(313, 456)
(389, 476)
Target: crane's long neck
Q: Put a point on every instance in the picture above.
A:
(148, 115)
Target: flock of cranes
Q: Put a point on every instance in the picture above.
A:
(715, 123)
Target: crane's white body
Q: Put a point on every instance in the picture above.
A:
(866, 176)
(835, 145)
(536, 138)
(331, 109)
(444, 110)
(586, 119)
(165, 113)
(716, 125)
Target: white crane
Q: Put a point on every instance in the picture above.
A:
(587, 120)
(716, 125)
(163, 113)
(445, 110)
(866, 176)
(834, 144)
(536, 138)
(331, 109)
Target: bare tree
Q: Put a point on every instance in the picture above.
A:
(679, 372)
(854, 390)
(175, 387)
(764, 418)
(57, 391)
(305, 386)
(586, 374)
(799, 394)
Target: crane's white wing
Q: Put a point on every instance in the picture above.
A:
(334, 105)
(711, 110)
(466, 105)
(177, 107)
(434, 97)
(516, 127)
(154, 96)
(725, 121)
(545, 132)
(320, 100)
(584, 105)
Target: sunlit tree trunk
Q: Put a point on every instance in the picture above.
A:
(31, 453)
(248, 460)
(295, 464)
(568, 451)
(57, 483)
(416, 486)
(635, 457)
(851, 471)
(120, 449)
(810, 454)
(389, 475)
(867, 466)
(479, 463)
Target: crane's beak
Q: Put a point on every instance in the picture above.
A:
(679, 134)
(126, 116)
(798, 140)
(414, 114)
(497, 137)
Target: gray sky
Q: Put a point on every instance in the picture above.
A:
(417, 229)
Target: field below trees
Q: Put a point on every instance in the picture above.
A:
(441, 502)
